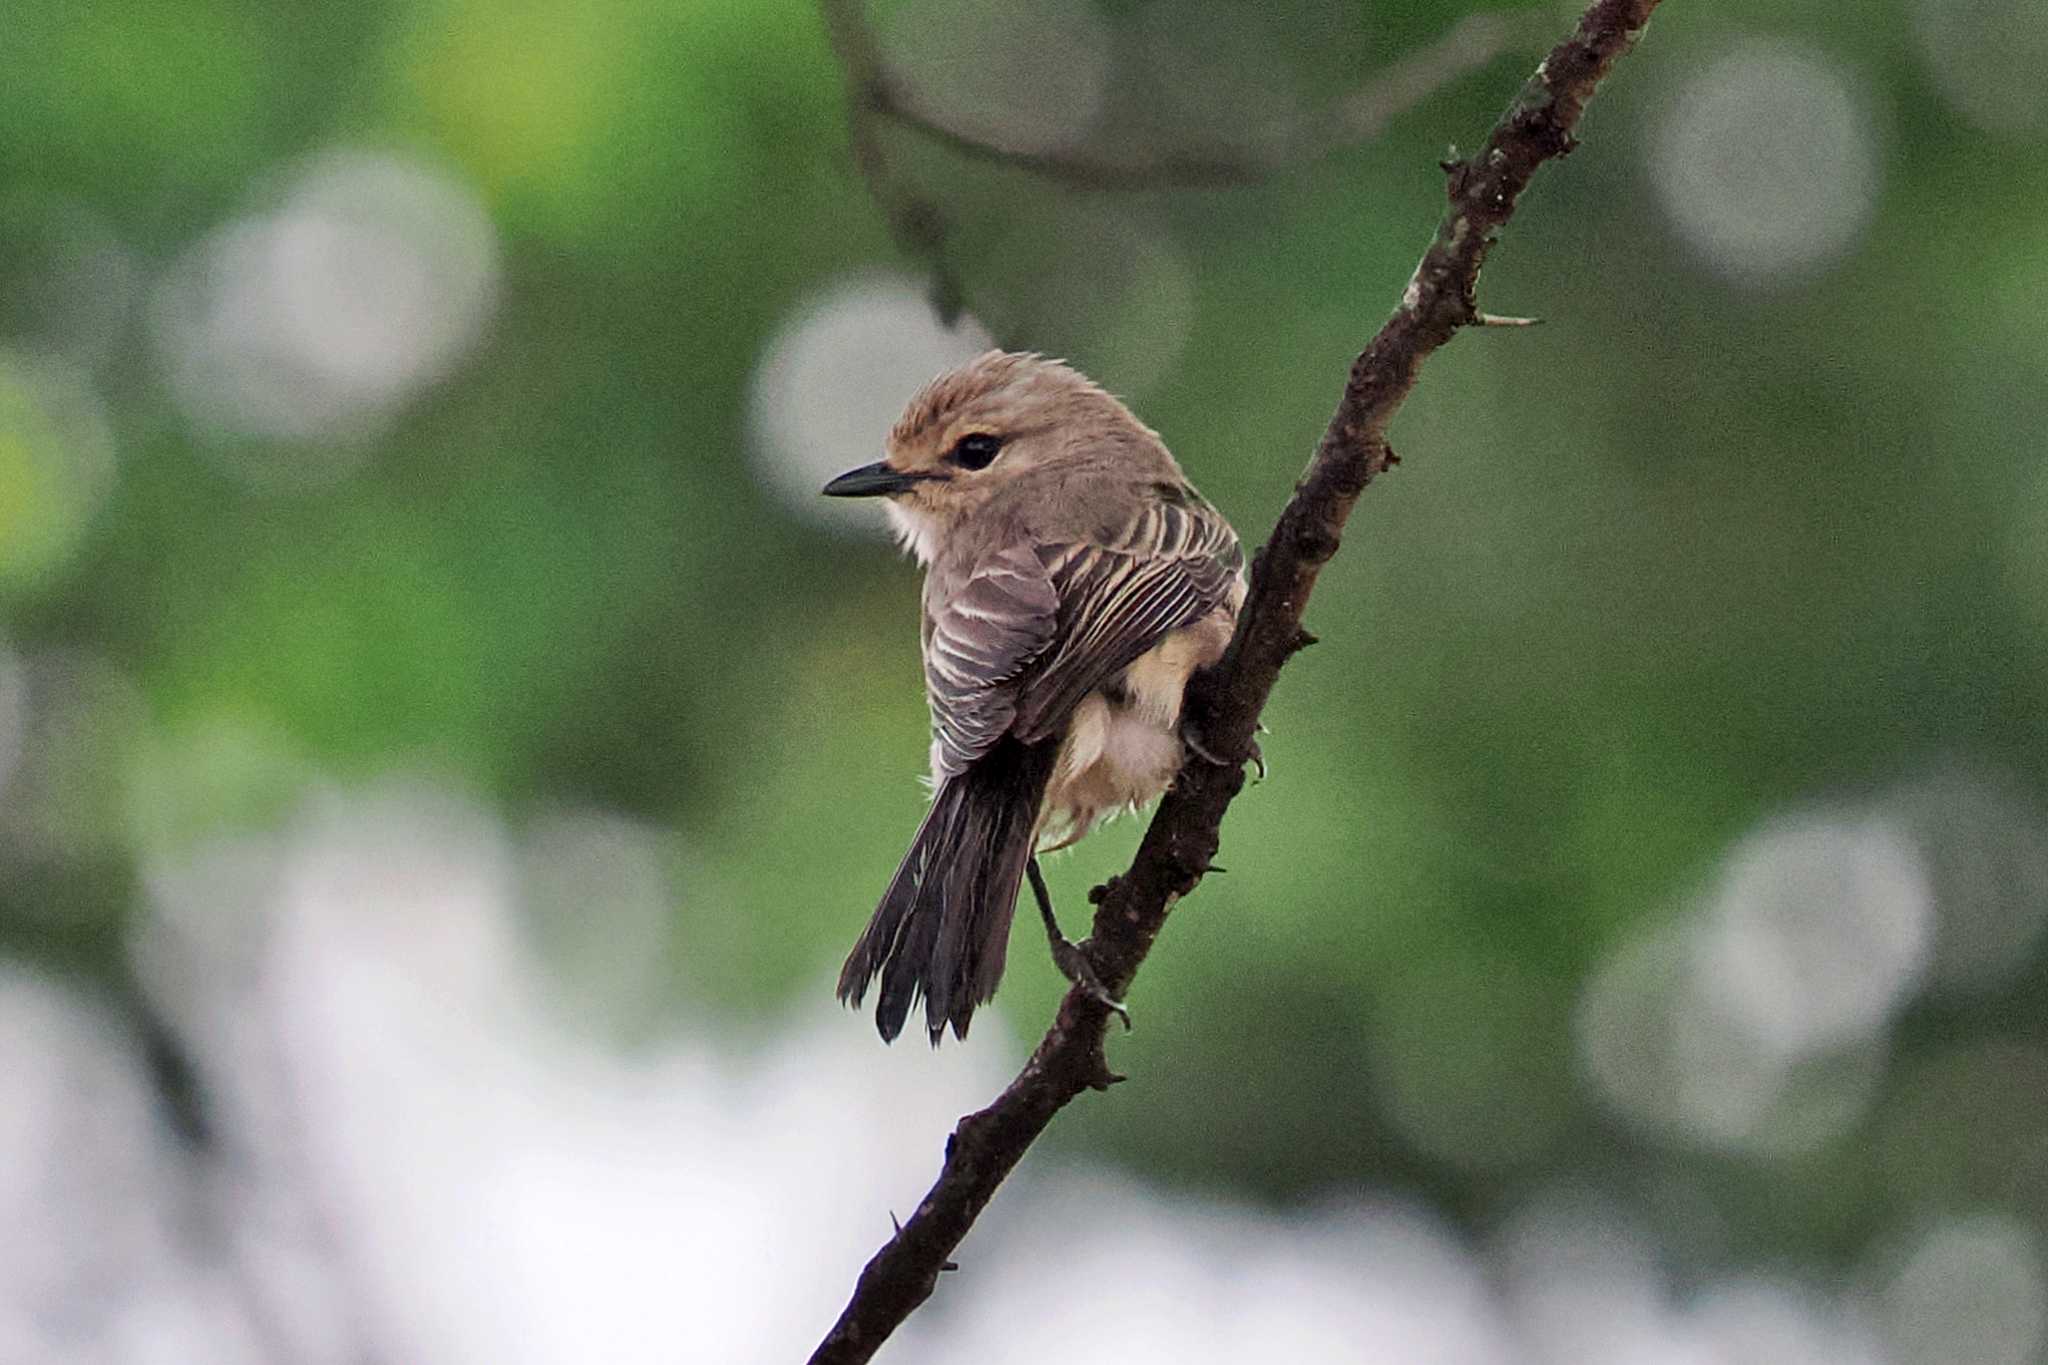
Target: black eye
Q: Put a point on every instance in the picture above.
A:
(976, 450)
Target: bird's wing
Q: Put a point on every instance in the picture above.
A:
(980, 634)
(1174, 563)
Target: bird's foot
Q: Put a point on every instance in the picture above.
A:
(1073, 964)
(1191, 736)
(1068, 955)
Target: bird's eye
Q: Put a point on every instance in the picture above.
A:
(976, 450)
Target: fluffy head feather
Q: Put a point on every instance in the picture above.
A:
(1049, 427)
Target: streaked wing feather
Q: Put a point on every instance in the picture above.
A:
(1174, 564)
(980, 635)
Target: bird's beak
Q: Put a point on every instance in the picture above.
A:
(877, 480)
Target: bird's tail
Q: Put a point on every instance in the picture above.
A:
(943, 925)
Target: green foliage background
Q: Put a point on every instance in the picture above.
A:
(1689, 554)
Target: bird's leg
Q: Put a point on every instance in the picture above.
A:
(1066, 954)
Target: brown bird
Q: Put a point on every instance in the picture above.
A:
(1074, 579)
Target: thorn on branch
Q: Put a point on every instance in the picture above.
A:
(1496, 320)
(1101, 1077)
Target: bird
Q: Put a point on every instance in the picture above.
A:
(1073, 581)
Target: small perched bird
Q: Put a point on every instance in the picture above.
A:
(1074, 579)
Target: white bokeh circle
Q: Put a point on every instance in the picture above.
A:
(1767, 163)
(833, 379)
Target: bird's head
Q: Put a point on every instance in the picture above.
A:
(1003, 421)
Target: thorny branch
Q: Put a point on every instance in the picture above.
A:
(876, 96)
(1182, 838)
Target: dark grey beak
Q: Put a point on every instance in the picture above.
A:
(875, 480)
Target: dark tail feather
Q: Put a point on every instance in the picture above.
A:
(944, 923)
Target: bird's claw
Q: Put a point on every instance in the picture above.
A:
(1074, 966)
(1192, 737)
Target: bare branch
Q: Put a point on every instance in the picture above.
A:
(919, 224)
(915, 221)
(1357, 117)
(1182, 838)
(1078, 169)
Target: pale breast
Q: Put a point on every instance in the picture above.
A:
(1122, 746)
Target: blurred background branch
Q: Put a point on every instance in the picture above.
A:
(1183, 835)
(876, 94)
